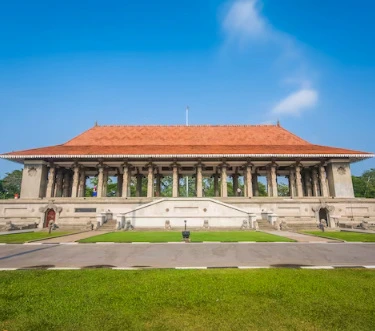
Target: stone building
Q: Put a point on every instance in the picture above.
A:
(318, 177)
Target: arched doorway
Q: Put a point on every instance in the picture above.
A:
(324, 215)
(50, 217)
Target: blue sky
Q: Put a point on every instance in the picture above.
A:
(66, 64)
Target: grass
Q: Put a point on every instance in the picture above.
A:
(273, 299)
(20, 238)
(148, 236)
(347, 236)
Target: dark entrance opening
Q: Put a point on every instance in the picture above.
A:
(50, 217)
(323, 215)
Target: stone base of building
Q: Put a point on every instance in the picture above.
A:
(199, 213)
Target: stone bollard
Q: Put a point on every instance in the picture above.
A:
(272, 218)
(252, 220)
(119, 224)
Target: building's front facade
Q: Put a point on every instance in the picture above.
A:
(318, 177)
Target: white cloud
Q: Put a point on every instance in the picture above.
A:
(297, 102)
(243, 20)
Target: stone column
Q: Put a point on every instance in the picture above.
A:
(323, 181)
(175, 181)
(99, 189)
(66, 184)
(51, 182)
(274, 181)
(235, 184)
(216, 184)
(150, 181)
(224, 187)
(158, 184)
(255, 184)
(120, 182)
(75, 181)
(292, 182)
(82, 183)
(125, 181)
(59, 182)
(315, 183)
(138, 191)
(105, 182)
(249, 182)
(308, 185)
(199, 181)
(269, 182)
(299, 188)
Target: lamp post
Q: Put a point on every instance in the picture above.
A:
(186, 234)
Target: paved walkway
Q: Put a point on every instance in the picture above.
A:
(357, 230)
(182, 255)
(72, 237)
(305, 238)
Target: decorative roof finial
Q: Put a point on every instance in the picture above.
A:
(278, 123)
(96, 123)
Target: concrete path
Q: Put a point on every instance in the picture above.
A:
(72, 238)
(305, 238)
(187, 255)
(358, 230)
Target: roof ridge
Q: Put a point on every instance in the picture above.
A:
(183, 125)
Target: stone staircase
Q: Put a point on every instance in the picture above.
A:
(265, 225)
(110, 225)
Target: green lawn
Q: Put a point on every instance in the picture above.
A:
(273, 299)
(19, 238)
(146, 236)
(347, 236)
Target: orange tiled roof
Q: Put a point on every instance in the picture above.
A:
(185, 140)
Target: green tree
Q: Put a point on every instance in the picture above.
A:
(364, 185)
(262, 189)
(11, 184)
(282, 190)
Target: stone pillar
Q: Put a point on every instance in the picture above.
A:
(150, 181)
(99, 189)
(51, 182)
(299, 188)
(274, 181)
(175, 183)
(82, 183)
(120, 182)
(235, 184)
(308, 185)
(59, 183)
(75, 181)
(158, 184)
(340, 184)
(255, 184)
(224, 187)
(125, 181)
(34, 180)
(292, 182)
(105, 182)
(315, 183)
(269, 182)
(138, 191)
(323, 181)
(199, 181)
(66, 184)
(249, 182)
(216, 184)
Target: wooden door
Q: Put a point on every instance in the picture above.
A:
(50, 217)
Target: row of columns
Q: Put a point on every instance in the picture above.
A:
(302, 182)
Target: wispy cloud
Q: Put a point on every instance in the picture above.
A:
(243, 20)
(244, 23)
(296, 102)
